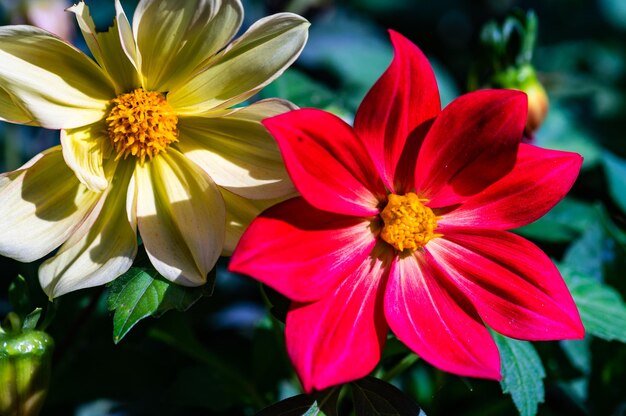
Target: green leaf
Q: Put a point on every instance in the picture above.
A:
(142, 292)
(615, 169)
(373, 397)
(566, 221)
(522, 374)
(294, 406)
(560, 131)
(601, 308)
(591, 251)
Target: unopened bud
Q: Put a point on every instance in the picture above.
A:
(525, 79)
(25, 360)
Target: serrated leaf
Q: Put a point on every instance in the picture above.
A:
(373, 397)
(566, 221)
(615, 169)
(601, 308)
(522, 374)
(142, 292)
(300, 405)
(589, 253)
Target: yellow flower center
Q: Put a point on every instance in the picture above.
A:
(141, 123)
(409, 224)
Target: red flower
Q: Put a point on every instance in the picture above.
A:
(401, 225)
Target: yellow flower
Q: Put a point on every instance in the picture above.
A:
(149, 140)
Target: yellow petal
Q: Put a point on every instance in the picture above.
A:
(57, 84)
(239, 214)
(12, 111)
(107, 49)
(84, 149)
(247, 65)
(173, 36)
(101, 249)
(181, 217)
(237, 151)
(42, 204)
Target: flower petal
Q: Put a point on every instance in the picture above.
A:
(237, 151)
(239, 214)
(301, 251)
(42, 204)
(514, 286)
(181, 216)
(84, 149)
(471, 144)
(436, 322)
(57, 84)
(101, 249)
(340, 337)
(539, 180)
(12, 111)
(173, 37)
(327, 162)
(404, 97)
(247, 65)
(107, 49)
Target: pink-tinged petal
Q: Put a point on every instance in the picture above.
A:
(301, 251)
(404, 97)
(471, 144)
(340, 337)
(539, 180)
(327, 162)
(514, 286)
(437, 322)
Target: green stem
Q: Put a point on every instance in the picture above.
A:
(399, 368)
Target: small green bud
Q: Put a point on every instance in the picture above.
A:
(25, 361)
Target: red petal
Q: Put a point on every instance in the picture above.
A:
(539, 180)
(514, 286)
(300, 251)
(436, 322)
(472, 143)
(404, 97)
(340, 337)
(327, 162)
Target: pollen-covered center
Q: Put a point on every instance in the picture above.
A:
(409, 224)
(141, 123)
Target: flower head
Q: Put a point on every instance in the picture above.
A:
(401, 225)
(149, 140)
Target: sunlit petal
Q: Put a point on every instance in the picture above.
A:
(174, 37)
(101, 249)
(181, 217)
(42, 205)
(247, 65)
(57, 84)
(237, 151)
(84, 149)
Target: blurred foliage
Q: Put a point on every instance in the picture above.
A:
(225, 355)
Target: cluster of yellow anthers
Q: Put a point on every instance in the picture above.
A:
(141, 123)
(409, 224)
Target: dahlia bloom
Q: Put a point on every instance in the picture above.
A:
(149, 140)
(401, 225)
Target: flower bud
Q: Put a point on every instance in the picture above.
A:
(25, 361)
(525, 79)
